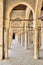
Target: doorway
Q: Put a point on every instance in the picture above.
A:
(13, 35)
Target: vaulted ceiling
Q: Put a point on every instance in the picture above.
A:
(20, 7)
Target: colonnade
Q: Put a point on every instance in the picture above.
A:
(23, 38)
(26, 40)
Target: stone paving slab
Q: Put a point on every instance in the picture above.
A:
(18, 55)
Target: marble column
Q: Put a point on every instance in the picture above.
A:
(26, 43)
(28, 38)
(21, 39)
(36, 45)
(41, 39)
(6, 42)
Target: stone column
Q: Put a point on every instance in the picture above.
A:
(26, 43)
(18, 38)
(37, 24)
(10, 37)
(41, 35)
(36, 45)
(23, 33)
(41, 39)
(6, 42)
(21, 39)
(28, 37)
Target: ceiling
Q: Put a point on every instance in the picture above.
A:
(20, 7)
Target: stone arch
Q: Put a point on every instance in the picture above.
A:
(10, 10)
(28, 10)
(7, 18)
(29, 6)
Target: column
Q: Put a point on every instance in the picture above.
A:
(28, 37)
(26, 44)
(10, 37)
(6, 42)
(21, 39)
(23, 33)
(17, 38)
(36, 45)
(41, 35)
(41, 39)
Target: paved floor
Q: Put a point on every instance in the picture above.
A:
(20, 56)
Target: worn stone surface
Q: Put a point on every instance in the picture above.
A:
(18, 55)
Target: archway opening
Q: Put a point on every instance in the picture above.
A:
(20, 12)
(31, 31)
(18, 19)
(13, 35)
(17, 14)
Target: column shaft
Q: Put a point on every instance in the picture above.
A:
(36, 46)
(6, 43)
(28, 38)
(26, 43)
(21, 39)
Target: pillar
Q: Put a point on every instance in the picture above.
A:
(26, 38)
(36, 45)
(41, 35)
(37, 24)
(18, 38)
(6, 42)
(10, 38)
(21, 39)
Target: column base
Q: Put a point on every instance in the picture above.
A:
(26, 47)
(36, 57)
(21, 44)
(6, 55)
(1, 53)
